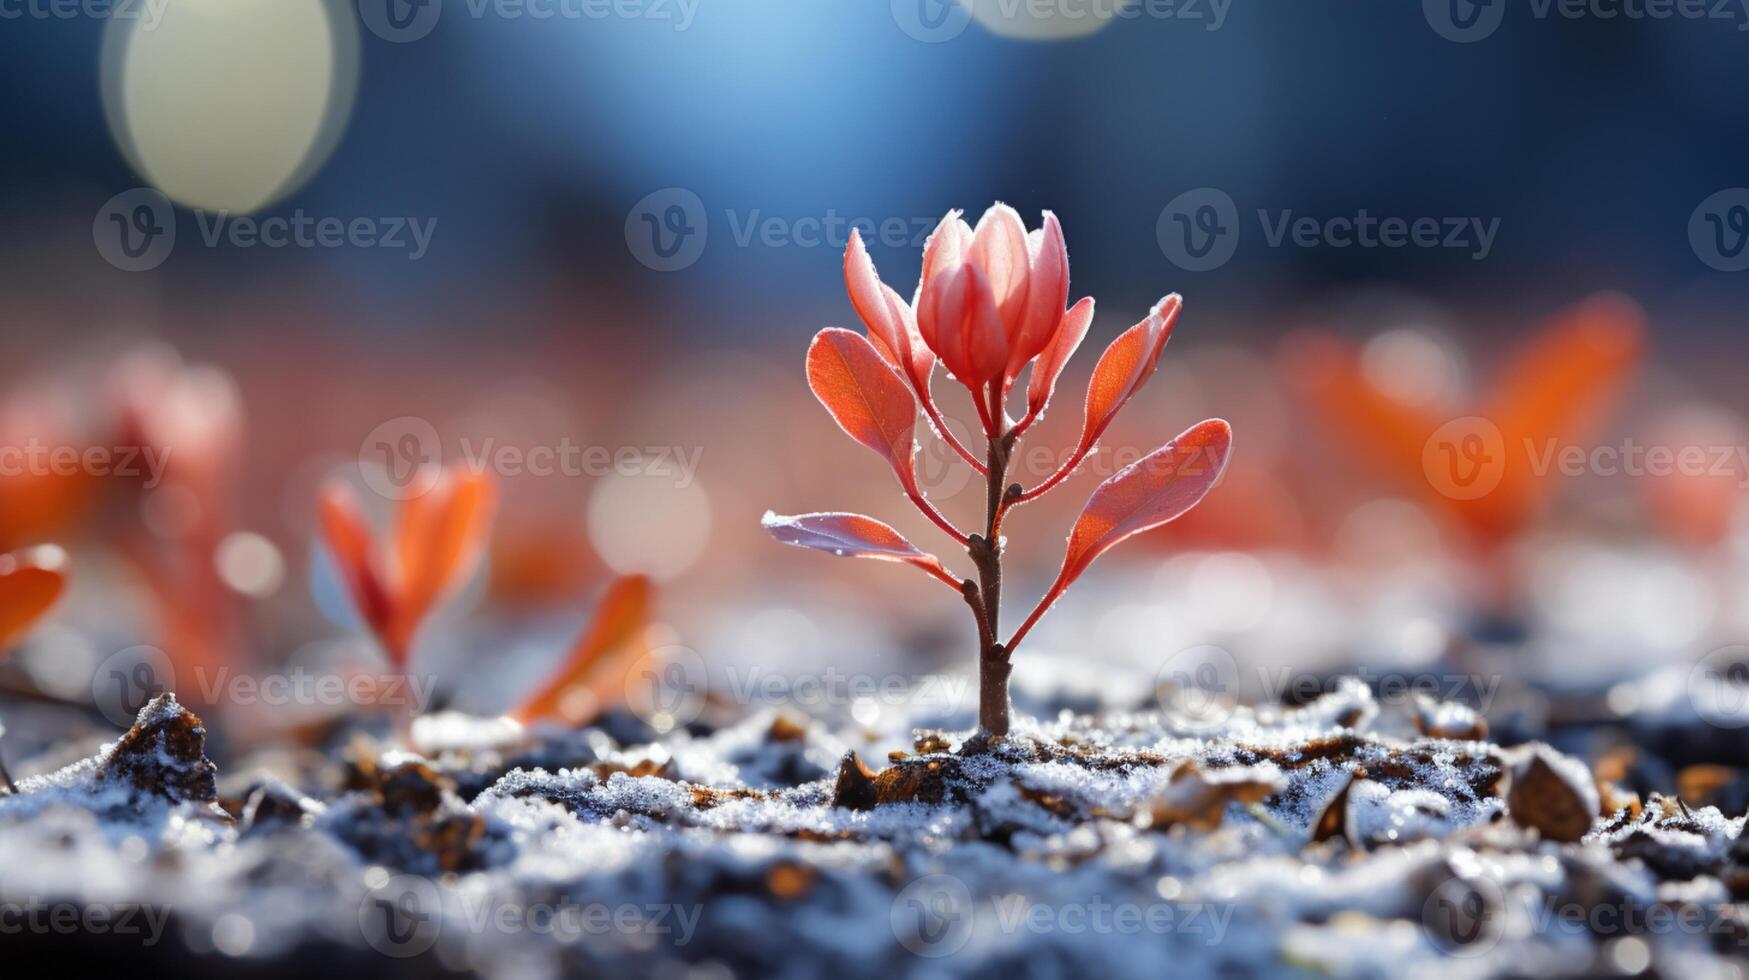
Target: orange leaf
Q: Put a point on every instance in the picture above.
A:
(1150, 492)
(438, 537)
(1124, 367)
(865, 396)
(612, 638)
(349, 541)
(1051, 361)
(30, 582)
(1557, 389)
(853, 536)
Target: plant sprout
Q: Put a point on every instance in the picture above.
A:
(990, 303)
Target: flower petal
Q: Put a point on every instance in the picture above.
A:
(1047, 295)
(999, 249)
(870, 297)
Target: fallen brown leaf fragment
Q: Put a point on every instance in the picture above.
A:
(1448, 719)
(1333, 821)
(1198, 798)
(1546, 797)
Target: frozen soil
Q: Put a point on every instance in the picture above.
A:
(1329, 839)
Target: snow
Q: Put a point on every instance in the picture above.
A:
(724, 851)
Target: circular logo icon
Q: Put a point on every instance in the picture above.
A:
(1464, 21)
(401, 917)
(932, 916)
(135, 230)
(1465, 458)
(666, 231)
(1463, 916)
(128, 679)
(400, 21)
(1718, 687)
(401, 459)
(1199, 229)
(932, 21)
(1718, 230)
(942, 474)
(667, 686)
(1198, 686)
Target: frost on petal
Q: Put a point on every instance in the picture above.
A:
(1046, 296)
(873, 302)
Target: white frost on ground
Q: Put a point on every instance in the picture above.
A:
(1079, 848)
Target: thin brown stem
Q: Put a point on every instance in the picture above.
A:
(986, 553)
(947, 436)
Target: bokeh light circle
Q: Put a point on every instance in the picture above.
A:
(230, 105)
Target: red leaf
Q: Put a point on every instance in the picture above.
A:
(866, 397)
(30, 582)
(437, 538)
(1051, 361)
(1125, 366)
(1152, 491)
(853, 536)
(612, 640)
(350, 542)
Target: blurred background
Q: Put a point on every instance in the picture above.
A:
(284, 238)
